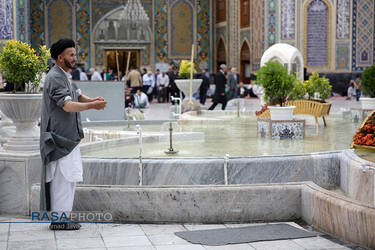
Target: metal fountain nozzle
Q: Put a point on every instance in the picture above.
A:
(138, 128)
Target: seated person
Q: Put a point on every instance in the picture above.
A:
(141, 100)
(351, 91)
(210, 93)
(254, 89)
(242, 92)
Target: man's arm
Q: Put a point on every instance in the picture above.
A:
(71, 106)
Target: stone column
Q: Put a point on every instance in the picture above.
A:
(233, 35)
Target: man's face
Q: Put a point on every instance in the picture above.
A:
(139, 92)
(234, 70)
(69, 56)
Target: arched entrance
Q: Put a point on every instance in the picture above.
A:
(245, 64)
(221, 54)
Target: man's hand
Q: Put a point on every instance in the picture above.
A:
(98, 105)
(99, 98)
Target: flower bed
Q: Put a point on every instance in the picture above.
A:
(365, 136)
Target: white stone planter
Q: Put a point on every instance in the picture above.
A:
(367, 103)
(184, 86)
(23, 110)
(282, 113)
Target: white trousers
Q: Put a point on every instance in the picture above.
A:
(61, 193)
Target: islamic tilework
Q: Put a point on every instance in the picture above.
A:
(234, 42)
(100, 8)
(173, 1)
(318, 35)
(145, 53)
(6, 19)
(342, 55)
(343, 16)
(22, 7)
(221, 32)
(181, 30)
(203, 43)
(160, 32)
(245, 35)
(37, 23)
(59, 10)
(363, 34)
(257, 35)
(271, 22)
(83, 31)
(287, 19)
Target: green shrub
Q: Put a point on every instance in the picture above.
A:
(368, 81)
(277, 84)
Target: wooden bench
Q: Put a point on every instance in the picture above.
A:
(306, 107)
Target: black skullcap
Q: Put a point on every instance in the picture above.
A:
(58, 47)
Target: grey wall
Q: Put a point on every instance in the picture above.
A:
(113, 92)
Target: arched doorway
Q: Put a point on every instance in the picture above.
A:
(245, 64)
(221, 54)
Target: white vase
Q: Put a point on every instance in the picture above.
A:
(284, 113)
(184, 86)
(23, 110)
(367, 103)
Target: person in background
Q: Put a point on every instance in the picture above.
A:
(148, 84)
(104, 74)
(110, 75)
(95, 76)
(351, 90)
(75, 74)
(141, 100)
(1, 82)
(162, 86)
(144, 72)
(232, 83)
(135, 80)
(82, 75)
(253, 89)
(205, 85)
(220, 81)
(357, 84)
(155, 92)
(242, 92)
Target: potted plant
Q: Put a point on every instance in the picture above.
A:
(277, 86)
(365, 136)
(23, 66)
(368, 88)
(184, 82)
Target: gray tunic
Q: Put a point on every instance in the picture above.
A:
(60, 131)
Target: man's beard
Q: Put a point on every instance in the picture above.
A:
(68, 64)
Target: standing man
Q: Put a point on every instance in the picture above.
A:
(95, 76)
(232, 83)
(61, 132)
(135, 79)
(148, 84)
(162, 85)
(205, 85)
(220, 96)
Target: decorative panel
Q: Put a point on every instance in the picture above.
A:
(23, 18)
(343, 56)
(203, 43)
(161, 21)
(37, 23)
(6, 19)
(59, 10)
(317, 37)
(363, 34)
(257, 43)
(181, 29)
(287, 19)
(343, 16)
(271, 22)
(83, 31)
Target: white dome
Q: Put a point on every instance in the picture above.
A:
(285, 54)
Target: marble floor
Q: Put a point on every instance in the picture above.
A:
(17, 232)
